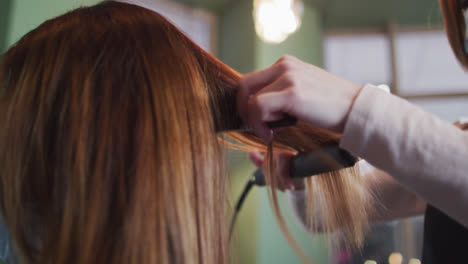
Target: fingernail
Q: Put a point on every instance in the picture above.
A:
(267, 135)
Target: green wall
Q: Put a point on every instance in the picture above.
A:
(236, 36)
(358, 14)
(5, 6)
(25, 15)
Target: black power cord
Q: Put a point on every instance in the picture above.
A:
(257, 179)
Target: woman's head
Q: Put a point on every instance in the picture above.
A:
(107, 148)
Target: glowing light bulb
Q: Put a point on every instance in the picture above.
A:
(395, 258)
(370, 262)
(414, 261)
(275, 20)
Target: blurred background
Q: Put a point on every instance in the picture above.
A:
(398, 43)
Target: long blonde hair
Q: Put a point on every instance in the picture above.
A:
(109, 151)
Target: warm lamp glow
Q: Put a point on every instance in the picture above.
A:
(275, 20)
(395, 258)
(414, 261)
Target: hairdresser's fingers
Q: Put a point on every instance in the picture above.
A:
(253, 82)
(283, 160)
(265, 107)
(257, 159)
(283, 83)
(315, 96)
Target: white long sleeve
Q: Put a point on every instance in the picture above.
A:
(422, 152)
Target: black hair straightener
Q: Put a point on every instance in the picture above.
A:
(326, 159)
(302, 165)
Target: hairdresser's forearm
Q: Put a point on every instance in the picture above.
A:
(422, 152)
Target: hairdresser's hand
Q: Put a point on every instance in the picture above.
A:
(282, 159)
(297, 88)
